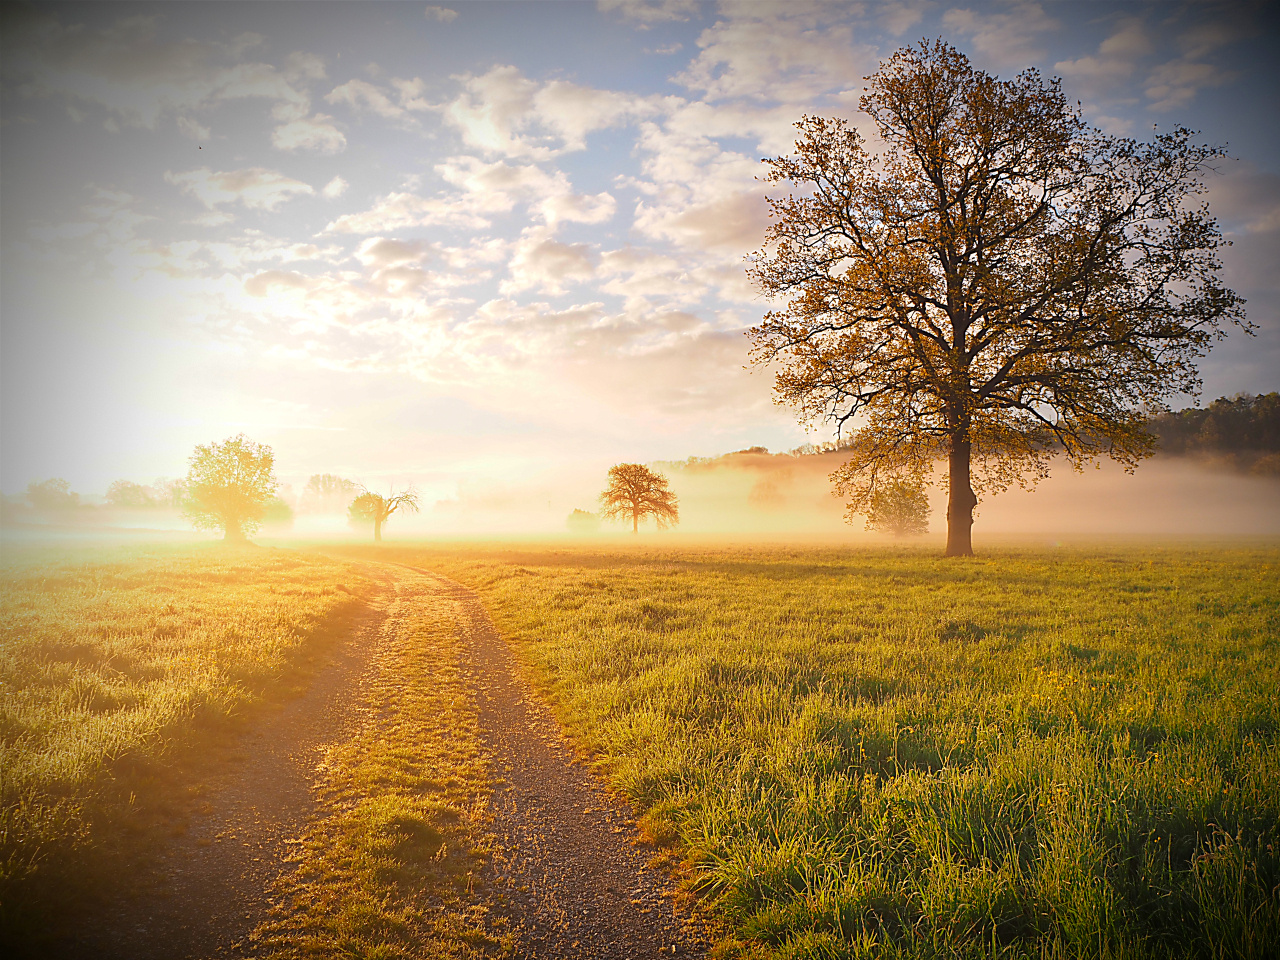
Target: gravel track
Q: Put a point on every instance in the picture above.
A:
(572, 880)
(567, 875)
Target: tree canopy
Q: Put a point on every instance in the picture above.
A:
(900, 507)
(229, 485)
(52, 494)
(997, 284)
(637, 492)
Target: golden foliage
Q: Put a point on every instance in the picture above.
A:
(999, 283)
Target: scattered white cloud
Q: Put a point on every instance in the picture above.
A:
(1175, 83)
(442, 14)
(645, 13)
(503, 112)
(790, 53)
(542, 263)
(1106, 74)
(310, 133)
(363, 95)
(334, 188)
(190, 128)
(1007, 37)
(256, 187)
(900, 17)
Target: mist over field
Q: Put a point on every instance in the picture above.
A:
(757, 494)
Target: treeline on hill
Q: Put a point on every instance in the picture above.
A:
(1243, 432)
(54, 501)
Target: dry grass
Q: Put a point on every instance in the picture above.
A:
(111, 662)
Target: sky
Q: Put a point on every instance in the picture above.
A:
(484, 247)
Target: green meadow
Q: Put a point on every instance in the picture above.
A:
(883, 753)
(1058, 752)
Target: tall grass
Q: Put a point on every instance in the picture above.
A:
(108, 661)
(1067, 753)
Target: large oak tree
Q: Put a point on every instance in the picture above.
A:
(995, 282)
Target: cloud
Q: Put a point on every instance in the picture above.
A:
(313, 133)
(1007, 40)
(503, 112)
(578, 208)
(1246, 200)
(1105, 73)
(1176, 83)
(128, 69)
(189, 128)
(334, 188)
(790, 53)
(363, 95)
(645, 13)
(256, 187)
(540, 262)
(270, 282)
(381, 252)
(396, 211)
(442, 14)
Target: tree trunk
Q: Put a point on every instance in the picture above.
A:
(635, 521)
(377, 529)
(960, 499)
(234, 533)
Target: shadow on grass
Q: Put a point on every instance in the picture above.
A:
(101, 844)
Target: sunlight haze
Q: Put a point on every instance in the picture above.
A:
(489, 249)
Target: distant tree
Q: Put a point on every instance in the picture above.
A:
(130, 496)
(582, 521)
(900, 507)
(229, 485)
(277, 513)
(170, 493)
(327, 492)
(375, 508)
(52, 494)
(637, 492)
(997, 283)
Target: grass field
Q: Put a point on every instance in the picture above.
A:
(1067, 752)
(114, 660)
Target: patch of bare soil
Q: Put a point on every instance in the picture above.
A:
(206, 889)
(569, 874)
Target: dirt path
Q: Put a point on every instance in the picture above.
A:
(567, 875)
(573, 881)
(209, 888)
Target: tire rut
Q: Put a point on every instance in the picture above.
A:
(571, 879)
(209, 885)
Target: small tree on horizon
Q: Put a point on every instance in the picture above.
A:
(229, 485)
(997, 284)
(637, 492)
(900, 507)
(52, 494)
(326, 491)
(374, 508)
